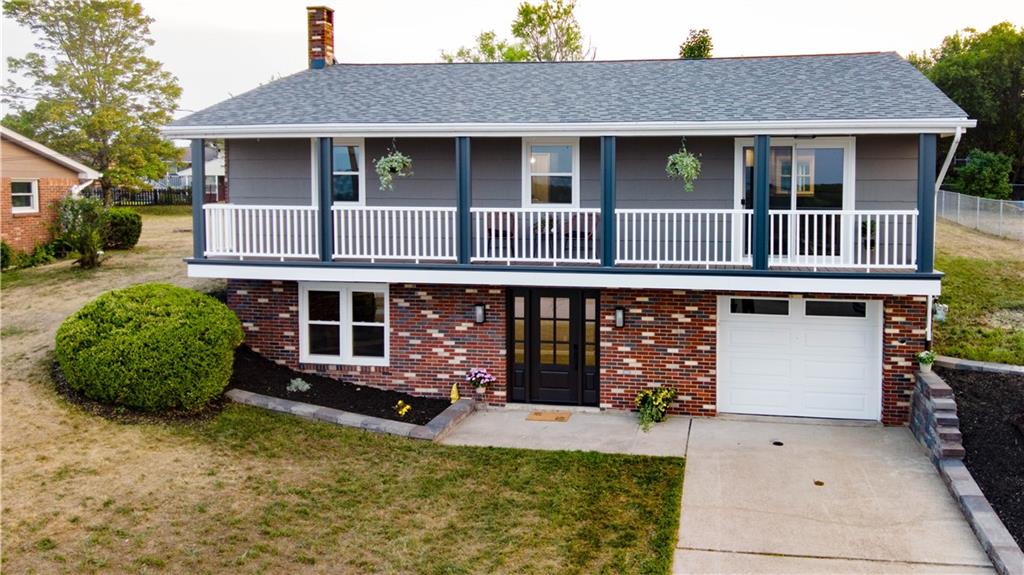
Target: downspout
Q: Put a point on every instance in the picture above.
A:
(938, 184)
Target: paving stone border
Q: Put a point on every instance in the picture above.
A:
(435, 430)
(935, 424)
(972, 365)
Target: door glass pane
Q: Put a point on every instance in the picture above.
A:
(547, 329)
(590, 307)
(562, 355)
(748, 178)
(520, 306)
(551, 159)
(819, 178)
(345, 187)
(547, 307)
(367, 307)
(590, 332)
(591, 356)
(551, 189)
(323, 306)
(520, 352)
(562, 331)
(562, 308)
(324, 340)
(759, 306)
(346, 158)
(547, 353)
(520, 330)
(780, 178)
(368, 340)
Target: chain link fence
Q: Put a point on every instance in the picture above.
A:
(997, 217)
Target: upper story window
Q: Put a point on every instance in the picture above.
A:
(551, 170)
(803, 174)
(24, 196)
(347, 178)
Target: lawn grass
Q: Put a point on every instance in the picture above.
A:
(163, 210)
(984, 288)
(357, 502)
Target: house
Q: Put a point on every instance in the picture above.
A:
(540, 238)
(34, 179)
(214, 178)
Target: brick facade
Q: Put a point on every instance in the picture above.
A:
(24, 231)
(669, 339)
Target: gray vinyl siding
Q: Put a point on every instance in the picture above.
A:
(886, 172)
(432, 183)
(270, 171)
(496, 174)
(642, 182)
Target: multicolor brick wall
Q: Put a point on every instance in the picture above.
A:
(669, 339)
(25, 231)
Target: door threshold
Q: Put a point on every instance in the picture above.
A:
(799, 420)
(510, 406)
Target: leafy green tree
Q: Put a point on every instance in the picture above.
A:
(986, 174)
(697, 45)
(983, 72)
(544, 32)
(98, 97)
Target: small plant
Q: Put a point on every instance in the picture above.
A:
(684, 166)
(402, 408)
(653, 405)
(925, 359)
(393, 164)
(81, 223)
(479, 378)
(6, 255)
(298, 385)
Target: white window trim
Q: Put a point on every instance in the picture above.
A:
(847, 143)
(314, 152)
(527, 199)
(34, 208)
(345, 290)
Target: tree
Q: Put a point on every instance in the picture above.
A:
(545, 32)
(986, 174)
(984, 74)
(697, 45)
(98, 97)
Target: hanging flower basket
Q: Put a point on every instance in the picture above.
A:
(394, 164)
(684, 166)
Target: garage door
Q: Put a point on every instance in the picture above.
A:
(800, 357)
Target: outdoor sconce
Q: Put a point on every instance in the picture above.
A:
(620, 317)
(479, 313)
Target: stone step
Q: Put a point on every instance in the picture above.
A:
(944, 404)
(950, 433)
(951, 449)
(947, 419)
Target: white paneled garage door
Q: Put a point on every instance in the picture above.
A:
(800, 357)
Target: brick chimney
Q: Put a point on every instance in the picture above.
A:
(321, 36)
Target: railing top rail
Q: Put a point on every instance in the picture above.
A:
(342, 207)
(853, 212)
(255, 207)
(538, 210)
(682, 211)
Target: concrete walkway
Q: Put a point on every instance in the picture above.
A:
(753, 507)
(605, 432)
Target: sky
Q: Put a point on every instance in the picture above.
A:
(220, 48)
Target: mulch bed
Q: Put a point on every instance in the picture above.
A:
(123, 414)
(991, 411)
(257, 374)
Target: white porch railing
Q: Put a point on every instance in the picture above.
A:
(281, 232)
(522, 235)
(681, 237)
(399, 233)
(859, 239)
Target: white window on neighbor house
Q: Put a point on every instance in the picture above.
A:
(343, 323)
(24, 196)
(551, 168)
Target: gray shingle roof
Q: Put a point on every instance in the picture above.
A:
(826, 87)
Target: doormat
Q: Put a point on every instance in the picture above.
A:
(559, 416)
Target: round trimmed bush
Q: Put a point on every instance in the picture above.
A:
(124, 226)
(151, 347)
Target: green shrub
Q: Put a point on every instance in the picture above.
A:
(81, 223)
(124, 226)
(6, 255)
(150, 347)
(986, 174)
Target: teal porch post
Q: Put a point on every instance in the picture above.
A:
(926, 155)
(608, 239)
(198, 195)
(464, 180)
(761, 242)
(326, 148)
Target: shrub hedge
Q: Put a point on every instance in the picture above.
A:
(124, 226)
(150, 347)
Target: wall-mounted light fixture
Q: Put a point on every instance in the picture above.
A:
(620, 317)
(479, 313)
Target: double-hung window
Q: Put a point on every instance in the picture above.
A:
(551, 169)
(343, 323)
(347, 174)
(24, 196)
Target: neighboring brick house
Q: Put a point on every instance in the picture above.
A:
(34, 179)
(539, 236)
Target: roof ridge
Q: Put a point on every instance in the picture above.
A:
(622, 61)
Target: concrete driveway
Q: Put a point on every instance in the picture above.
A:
(753, 507)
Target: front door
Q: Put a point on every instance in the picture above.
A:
(553, 346)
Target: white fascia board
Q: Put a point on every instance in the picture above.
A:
(726, 283)
(744, 128)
